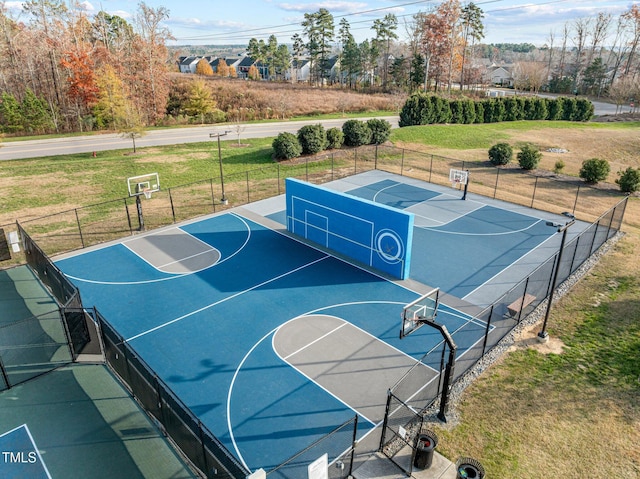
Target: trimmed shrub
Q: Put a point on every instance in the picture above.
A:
(540, 109)
(413, 111)
(584, 110)
(286, 146)
(468, 111)
(380, 130)
(456, 111)
(494, 111)
(594, 170)
(335, 138)
(529, 157)
(569, 108)
(479, 107)
(558, 167)
(629, 180)
(511, 109)
(356, 133)
(500, 154)
(554, 108)
(441, 110)
(312, 138)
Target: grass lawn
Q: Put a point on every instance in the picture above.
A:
(574, 412)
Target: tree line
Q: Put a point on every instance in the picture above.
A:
(62, 70)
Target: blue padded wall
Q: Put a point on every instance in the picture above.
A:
(370, 233)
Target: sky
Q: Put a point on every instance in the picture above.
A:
(199, 22)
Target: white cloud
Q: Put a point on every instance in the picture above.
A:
(332, 5)
(13, 6)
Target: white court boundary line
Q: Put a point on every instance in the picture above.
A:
(506, 268)
(463, 233)
(443, 223)
(175, 276)
(33, 442)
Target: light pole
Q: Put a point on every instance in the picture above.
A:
(223, 198)
(543, 336)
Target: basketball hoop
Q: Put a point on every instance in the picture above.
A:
(147, 194)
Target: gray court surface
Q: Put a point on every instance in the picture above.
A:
(85, 425)
(174, 251)
(343, 359)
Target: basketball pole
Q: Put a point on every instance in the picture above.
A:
(466, 185)
(139, 210)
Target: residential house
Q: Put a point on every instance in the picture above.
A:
(299, 71)
(499, 75)
(231, 62)
(188, 64)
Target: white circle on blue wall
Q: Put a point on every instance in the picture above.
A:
(389, 246)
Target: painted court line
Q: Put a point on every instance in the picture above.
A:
(190, 257)
(315, 341)
(239, 293)
(172, 276)
(463, 233)
(505, 269)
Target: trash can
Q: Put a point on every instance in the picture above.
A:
(426, 443)
(469, 468)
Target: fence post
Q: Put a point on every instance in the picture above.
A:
(595, 234)
(486, 333)
(355, 160)
(248, 199)
(67, 333)
(213, 196)
(306, 169)
(495, 187)
(79, 227)
(535, 187)
(375, 161)
(575, 203)
(126, 209)
(173, 210)
(204, 450)
(353, 444)
(332, 167)
(402, 164)
(4, 375)
(278, 168)
(430, 168)
(386, 420)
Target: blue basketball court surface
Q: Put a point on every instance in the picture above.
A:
(273, 341)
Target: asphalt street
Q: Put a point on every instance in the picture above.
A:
(13, 150)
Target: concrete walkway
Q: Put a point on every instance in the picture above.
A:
(380, 467)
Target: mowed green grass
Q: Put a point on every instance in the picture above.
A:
(484, 135)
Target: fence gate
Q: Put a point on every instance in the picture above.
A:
(402, 424)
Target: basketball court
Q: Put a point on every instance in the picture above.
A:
(273, 337)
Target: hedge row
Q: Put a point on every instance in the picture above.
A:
(425, 109)
(313, 138)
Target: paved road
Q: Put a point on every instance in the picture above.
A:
(13, 150)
